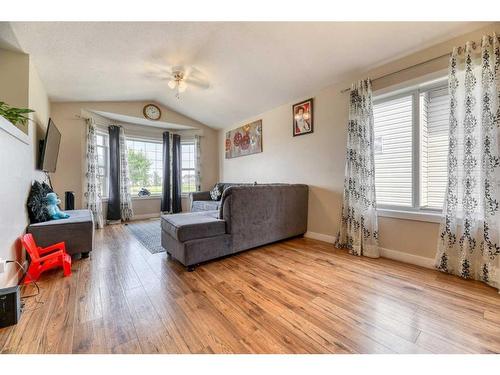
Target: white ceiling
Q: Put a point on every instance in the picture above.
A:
(252, 67)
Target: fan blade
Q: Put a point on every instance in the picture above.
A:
(197, 82)
(171, 84)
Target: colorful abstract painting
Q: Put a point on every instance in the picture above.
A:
(245, 140)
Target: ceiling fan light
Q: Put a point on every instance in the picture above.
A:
(171, 84)
(182, 86)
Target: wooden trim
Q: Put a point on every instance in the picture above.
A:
(11, 129)
(145, 216)
(384, 253)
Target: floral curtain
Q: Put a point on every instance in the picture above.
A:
(93, 187)
(358, 227)
(125, 196)
(197, 150)
(468, 245)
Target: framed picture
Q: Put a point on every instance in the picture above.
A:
(245, 140)
(303, 117)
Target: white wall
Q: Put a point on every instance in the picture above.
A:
(19, 86)
(318, 159)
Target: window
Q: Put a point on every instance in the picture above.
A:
(188, 167)
(411, 148)
(145, 162)
(102, 162)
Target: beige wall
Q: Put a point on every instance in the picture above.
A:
(69, 175)
(318, 159)
(19, 86)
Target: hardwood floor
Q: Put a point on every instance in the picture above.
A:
(297, 296)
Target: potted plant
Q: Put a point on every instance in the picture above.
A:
(15, 115)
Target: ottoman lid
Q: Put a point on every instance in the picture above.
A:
(75, 217)
(193, 225)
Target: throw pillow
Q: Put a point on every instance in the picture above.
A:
(36, 205)
(216, 192)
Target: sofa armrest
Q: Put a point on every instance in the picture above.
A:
(200, 196)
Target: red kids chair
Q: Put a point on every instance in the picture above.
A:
(43, 259)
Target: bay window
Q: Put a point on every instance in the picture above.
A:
(145, 163)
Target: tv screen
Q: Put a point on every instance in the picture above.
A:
(50, 150)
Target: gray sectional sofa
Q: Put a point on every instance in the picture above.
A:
(247, 216)
(201, 200)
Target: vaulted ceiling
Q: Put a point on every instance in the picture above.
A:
(252, 67)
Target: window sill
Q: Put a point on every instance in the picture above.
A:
(427, 216)
(156, 196)
(151, 197)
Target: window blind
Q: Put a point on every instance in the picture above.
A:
(393, 151)
(435, 108)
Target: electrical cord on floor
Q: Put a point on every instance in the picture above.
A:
(34, 282)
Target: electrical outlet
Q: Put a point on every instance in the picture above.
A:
(3, 263)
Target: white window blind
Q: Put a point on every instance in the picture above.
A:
(435, 108)
(393, 151)
(411, 148)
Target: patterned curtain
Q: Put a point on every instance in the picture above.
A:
(197, 150)
(93, 187)
(358, 227)
(469, 234)
(125, 197)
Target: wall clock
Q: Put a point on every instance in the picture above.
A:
(152, 112)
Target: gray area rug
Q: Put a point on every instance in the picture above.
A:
(148, 233)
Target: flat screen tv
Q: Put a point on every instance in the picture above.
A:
(50, 148)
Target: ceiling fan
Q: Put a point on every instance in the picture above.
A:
(179, 78)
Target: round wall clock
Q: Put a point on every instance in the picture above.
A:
(151, 112)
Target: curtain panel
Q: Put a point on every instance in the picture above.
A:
(468, 245)
(114, 174)
(197, 150)
(119, 197)
(176, 174)
(166, 202)
(358, 225)
(126, 211)
(93, 187)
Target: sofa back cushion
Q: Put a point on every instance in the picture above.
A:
(260, 214)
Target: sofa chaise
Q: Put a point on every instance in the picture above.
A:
(248, 216)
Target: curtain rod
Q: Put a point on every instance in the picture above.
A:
(403, 69)
(173, 131)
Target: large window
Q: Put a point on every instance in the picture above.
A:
(145, 162)
(411, 148)
(103, 162)
(188, 167)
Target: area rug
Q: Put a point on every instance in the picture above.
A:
(148, 233)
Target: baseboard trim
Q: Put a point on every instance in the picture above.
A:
(14, 280)
(320, 237)
(145, 216)
(384, 253)
(416, 260)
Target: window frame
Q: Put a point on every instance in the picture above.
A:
(193, 143)
(415, 211)
(105, 188)
(134, 138)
